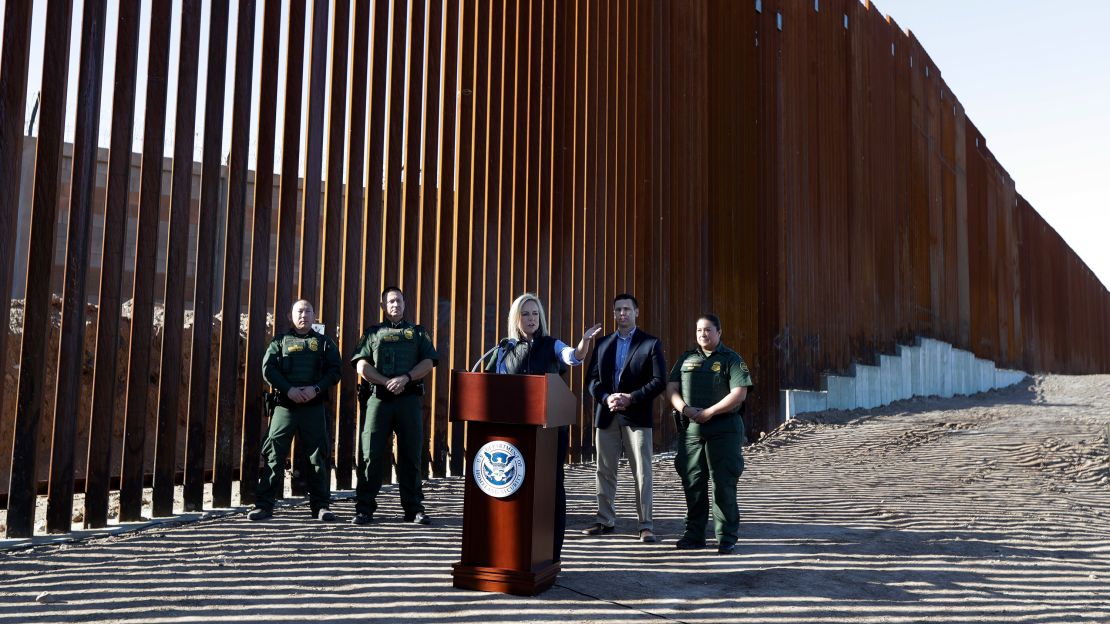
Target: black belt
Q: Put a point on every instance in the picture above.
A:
(283, 400)
(414, 388)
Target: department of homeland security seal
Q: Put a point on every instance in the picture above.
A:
(498, 469)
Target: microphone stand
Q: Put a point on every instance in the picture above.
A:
(500, 345)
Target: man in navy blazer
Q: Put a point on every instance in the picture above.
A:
(627, 371)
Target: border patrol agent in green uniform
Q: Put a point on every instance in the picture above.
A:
(393, 356)
(707, 387)
(300, 366)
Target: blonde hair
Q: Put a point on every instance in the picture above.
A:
(514, 316)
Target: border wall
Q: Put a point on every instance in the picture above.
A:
(799, 168)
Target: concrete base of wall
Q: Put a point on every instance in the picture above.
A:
(929, 368)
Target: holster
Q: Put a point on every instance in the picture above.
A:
(270, 401)
(680, 422)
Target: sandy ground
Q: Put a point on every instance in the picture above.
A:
(993, 508)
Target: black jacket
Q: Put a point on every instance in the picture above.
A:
(644, 377)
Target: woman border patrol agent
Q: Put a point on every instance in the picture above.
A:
(708, 386)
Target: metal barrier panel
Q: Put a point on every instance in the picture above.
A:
(803, 172)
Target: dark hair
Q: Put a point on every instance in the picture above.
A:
(712, 318)
(635, 304)
(389, 289)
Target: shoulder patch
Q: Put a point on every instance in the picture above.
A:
(744, 367)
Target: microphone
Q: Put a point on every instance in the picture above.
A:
(503, 344)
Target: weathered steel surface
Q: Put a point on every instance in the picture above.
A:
(59, 507)
(329, 308)
(801, 169)
(257, 331)
(309, 272)
(196, 443)
(290, 156)
(346, 428)
(285, 286)
(105, 368)
(422, 199)
(170, 379)
(30, 410)
(374, 253)
(412, 216)
(853, 205)
(13, 92)
(459, 346)
(390, 246)
(227, 414)
(439, 204)
(146, 249)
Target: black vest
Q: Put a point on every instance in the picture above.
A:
(535, 358)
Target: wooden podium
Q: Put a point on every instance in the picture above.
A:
(507, 542)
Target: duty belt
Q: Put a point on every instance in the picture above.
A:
(415, 388)
(283, 400)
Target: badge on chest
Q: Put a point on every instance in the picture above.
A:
(298, 346)
(398, 335)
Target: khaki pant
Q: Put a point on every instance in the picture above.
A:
(636, 444)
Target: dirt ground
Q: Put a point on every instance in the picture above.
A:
(991, 508)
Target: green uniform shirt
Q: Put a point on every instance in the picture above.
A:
(293, 360)
(705, 380)
(394, 349)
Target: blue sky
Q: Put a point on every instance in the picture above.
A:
(1033, 76)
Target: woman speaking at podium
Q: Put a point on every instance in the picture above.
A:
(529, 350)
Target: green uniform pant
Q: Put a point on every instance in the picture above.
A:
(403, 416)
(308, 421)
(700, 456)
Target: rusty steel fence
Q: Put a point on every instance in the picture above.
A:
(799, 168)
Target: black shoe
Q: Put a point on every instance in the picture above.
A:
(688, 544)
(325, 515)
(418, 518)
(362, 518)
(725, 548)
(259, 513)
(598, 528)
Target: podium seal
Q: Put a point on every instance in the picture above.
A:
(498, 469)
